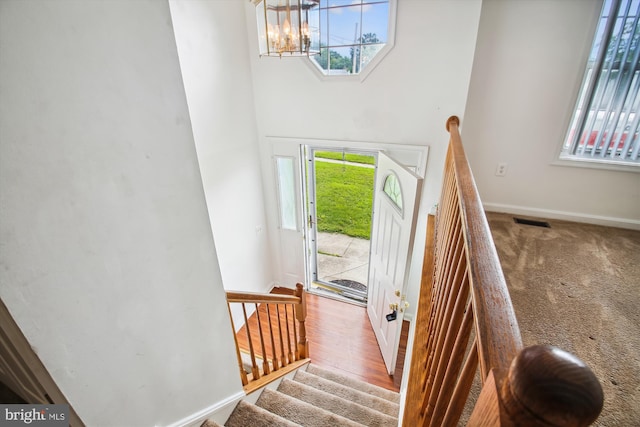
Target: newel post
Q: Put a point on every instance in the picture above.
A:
(301, 315)
(545, 386)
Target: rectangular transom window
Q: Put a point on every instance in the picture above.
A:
(604, 127)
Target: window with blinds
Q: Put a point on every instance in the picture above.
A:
(604, 127)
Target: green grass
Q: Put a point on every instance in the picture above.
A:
(355, 158)
(344, 197)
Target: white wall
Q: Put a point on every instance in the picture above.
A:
(212, 46)
(527, 70)
(107, 259)
(405, 100)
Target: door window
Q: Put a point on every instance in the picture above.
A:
(286, 192)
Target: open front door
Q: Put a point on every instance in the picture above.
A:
(397, 193)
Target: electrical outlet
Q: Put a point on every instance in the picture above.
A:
(501, 170)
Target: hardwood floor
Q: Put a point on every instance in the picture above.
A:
(341, 339)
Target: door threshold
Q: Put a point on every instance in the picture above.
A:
(323, 292)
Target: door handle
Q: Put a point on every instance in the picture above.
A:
(404, 306)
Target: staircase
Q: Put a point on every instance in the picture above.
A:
(318, 397)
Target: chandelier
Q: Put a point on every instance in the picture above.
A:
(288, 27)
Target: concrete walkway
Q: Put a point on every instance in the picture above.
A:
(342, 257)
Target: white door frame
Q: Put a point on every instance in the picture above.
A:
(413, 157)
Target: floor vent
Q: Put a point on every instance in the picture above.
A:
(532, 222)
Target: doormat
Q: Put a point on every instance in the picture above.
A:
(351, 284)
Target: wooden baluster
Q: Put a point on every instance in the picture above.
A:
(255, 371)
(544, 386)
(283, 357)
(454, 258)
(274, 349)
(286, 322)
(295, 333)
(455, 267)
(450, 229)
(243, 374)
(265, 358)
(462, 388)
(447, 375)
(456, 314)
(301, 315)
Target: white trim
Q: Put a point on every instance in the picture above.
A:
(217, 411)
(631, 224)
(389, 148)
(584, 162)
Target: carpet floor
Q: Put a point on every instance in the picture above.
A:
(577, 287)
(316, 397)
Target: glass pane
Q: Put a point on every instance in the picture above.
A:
(392, 189)
(314, 29)
(341, 60)
(286, 193)
(324, 29)
(375, 22)
(337, 3)
(344, 25)
(368, 52)
(322, 59)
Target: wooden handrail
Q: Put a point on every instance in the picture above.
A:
(491, 300)
(252, 297)
(465, 321)
(274, 334)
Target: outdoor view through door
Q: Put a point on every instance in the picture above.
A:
(339, 206)
(347, 221)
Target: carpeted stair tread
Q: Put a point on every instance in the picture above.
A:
(245, 414)
(339, 406)
(210, 423)
(389, 395)
(345, 392)
(299, 412)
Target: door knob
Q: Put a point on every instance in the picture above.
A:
(404, 306)
(394, 306)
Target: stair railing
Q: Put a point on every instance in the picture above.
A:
(465, 321)
(273, 339)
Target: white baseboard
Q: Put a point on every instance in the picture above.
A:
(565, 216)
(219, 412)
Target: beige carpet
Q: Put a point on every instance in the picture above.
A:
(318, 398)
(577, 286)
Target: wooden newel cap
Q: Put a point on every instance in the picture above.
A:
(554, 386)
(453, 119)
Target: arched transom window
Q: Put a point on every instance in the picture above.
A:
(392, 189)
